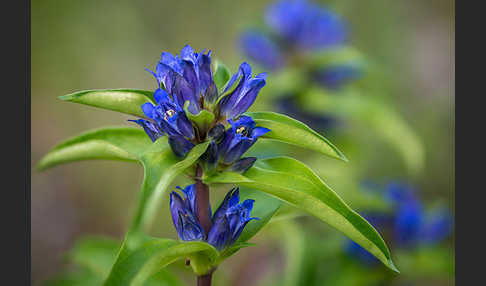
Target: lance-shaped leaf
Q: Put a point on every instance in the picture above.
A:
(131, 144)
(117, 143)
(122, 100)
(94, 257)
(161, 168)
(289, 130)
(141, 257)
(294, 183)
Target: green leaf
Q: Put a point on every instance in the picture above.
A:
(289, 130)
(129, 144)
(127, 101)
(117, 143)
(141, 257)
(95, 256)
(294, 183)
(161, 168)
(203, 119)
(221, 75)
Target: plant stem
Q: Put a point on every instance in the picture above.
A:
(202, 202)
(204, 280)
(204, 217)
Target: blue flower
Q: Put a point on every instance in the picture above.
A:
(229, 220)
(260, 48)
(187, 77)
(168, 118)
(242, 97)
(152, 130)
(184, 214)
(239, 138)
(409, 225)
(334, 77)
(306, 24)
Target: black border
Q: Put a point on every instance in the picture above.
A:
(15, 210)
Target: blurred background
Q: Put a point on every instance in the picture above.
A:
(78, 45)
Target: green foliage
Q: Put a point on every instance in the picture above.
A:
(294, 183)
(122, 100)
(221, 75)
(141, 257)
(289, 130)
(117, 143)
(93, 257)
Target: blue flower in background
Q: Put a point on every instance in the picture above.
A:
(187, 77)
(228, 220)
(260, 48)
(239, 138)
(334, 77)
(242, 97)
(408, 226)
(306, 24)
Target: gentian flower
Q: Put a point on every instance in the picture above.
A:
(408, 226)
(169, 118)
(228, 220)
(186, 85)
(245, 93)
(184, 214)
(306, 24)
(187, 77)
(239, 138)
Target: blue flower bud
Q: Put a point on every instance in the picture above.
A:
(239, 138)
(184, 215)
(180, 145)
(187, 77)
(216, 133)
(229, 220)
(209, 159)
(245, 93)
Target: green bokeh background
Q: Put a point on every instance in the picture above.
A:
(79, 45)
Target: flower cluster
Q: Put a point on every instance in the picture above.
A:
(408, 225)
(186, 88)
(297, 27)
(228, 221)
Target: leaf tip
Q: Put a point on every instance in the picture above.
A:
(392, 266)
(66, 97)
